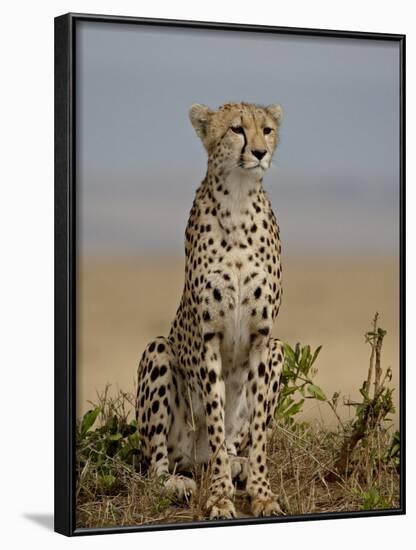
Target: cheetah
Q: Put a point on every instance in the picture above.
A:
(206, 394)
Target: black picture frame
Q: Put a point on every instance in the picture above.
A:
(65, 266)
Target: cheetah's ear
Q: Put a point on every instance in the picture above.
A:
(275, 111)
(198, 115)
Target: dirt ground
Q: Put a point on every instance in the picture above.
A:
(327, 301)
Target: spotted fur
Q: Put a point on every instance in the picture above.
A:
(207, 392)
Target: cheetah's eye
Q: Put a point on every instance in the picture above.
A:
(266, 131)
(237, 129)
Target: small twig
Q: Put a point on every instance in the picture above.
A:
(370, 341)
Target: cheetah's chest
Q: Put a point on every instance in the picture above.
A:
(240, 309)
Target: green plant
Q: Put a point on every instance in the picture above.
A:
(372, 500)
(393, 452)
(114, 439)
(297, 384)
(376, 404)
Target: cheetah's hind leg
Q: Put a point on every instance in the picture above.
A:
(154, 413)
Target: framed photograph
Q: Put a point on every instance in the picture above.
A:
(229, 274)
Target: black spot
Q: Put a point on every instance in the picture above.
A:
(152, 347)
(265, 331)
(155, 407)
(162, 391)
(262, 369)
(206, 316)
(208, 336)
(163, 370)
(217, 294)
(159, 428)
(161, 348)
(212, 376)
(159, 456)
(154, 374)
(257, 293)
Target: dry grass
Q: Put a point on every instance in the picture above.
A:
(313, 469)
(300, 458)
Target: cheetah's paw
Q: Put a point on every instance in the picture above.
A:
(222, 509)
(180, 486)
(265, 506)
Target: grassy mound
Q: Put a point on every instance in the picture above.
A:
(313, 469)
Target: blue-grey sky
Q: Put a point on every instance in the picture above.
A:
(334, 184)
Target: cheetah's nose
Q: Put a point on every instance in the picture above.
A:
(259, 153)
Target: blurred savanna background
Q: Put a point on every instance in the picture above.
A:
(334, 187)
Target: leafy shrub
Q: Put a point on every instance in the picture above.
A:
(297, 383)
(115, 439)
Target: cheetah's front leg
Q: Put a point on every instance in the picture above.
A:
(263, 501)
(219, 504)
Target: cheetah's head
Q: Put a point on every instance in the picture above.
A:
(238, 136)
